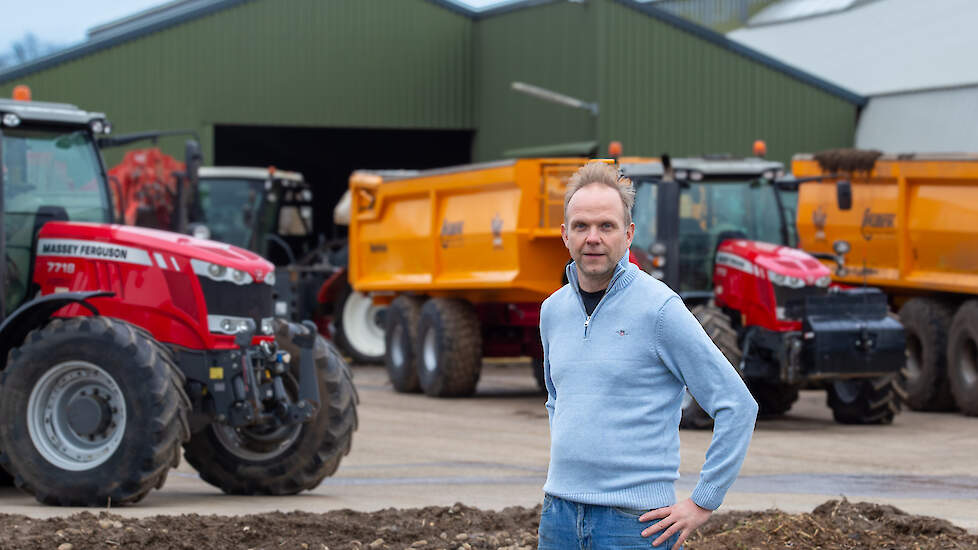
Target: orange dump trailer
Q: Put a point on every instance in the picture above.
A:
(465, 255)
(912, 230)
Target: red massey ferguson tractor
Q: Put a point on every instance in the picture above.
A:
(720, 231)
(120, 344)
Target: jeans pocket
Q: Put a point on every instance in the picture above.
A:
(548, 502)
(633, 513)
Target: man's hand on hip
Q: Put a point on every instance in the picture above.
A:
(685, 516)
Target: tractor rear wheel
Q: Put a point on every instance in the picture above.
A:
(963, 358)
(95, 414)
(360, 327)
(451, 348)
(717, 325)
(773, 398)
(864, 401)
(924, 377)
(288, 459)
(401, 337)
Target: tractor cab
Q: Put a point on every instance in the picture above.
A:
(265, 210)
(685, 208)
(52, 171)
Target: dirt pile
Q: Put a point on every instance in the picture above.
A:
(834, 161)
(835, 524)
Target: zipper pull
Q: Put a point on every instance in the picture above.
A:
(586, 321)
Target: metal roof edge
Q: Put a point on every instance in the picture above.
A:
(750, 53)
(477, 14)
(93, 46)
(922, 90)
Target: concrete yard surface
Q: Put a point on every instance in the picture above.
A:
(491, 451)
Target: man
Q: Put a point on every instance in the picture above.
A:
(619, 351)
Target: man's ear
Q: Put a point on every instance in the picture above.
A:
(563, 235)
(629, 234)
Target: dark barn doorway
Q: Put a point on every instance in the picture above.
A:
(327, 156)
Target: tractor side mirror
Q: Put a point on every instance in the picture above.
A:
(193, 159)
(843, 194)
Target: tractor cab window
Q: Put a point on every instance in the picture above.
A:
(644, 214)
(231, 209)
(712, 211)
(48, 174)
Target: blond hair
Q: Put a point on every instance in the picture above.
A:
(604, 174)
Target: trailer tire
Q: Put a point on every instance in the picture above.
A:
(864, 401)
(304, 455)
(450, 342)
(924, 378)
(717, 325)
(402, 351)
(360, 327)
(963, 358)
(539, 375)
(61, 367)
(773, 398)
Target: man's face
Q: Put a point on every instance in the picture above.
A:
(595, 234)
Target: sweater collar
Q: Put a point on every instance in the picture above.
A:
(625, 272)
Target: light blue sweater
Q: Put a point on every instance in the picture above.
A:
(615, 385)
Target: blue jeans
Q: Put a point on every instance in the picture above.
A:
(566, 525)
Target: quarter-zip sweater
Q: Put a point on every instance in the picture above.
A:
(615, 385)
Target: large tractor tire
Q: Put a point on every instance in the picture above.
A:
(963, 358)
(360, 327)
(95, 413)
(924, 378)
(402, 344)
(717, 326)
(773, 398)
(451, 348)
(289, 459)
(864, 401)
(6, 480)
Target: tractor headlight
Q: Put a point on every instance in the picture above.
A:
(221, 273)
(229, 324)
(11, 120)
(96, 126)
(267, 327)
(823, 282)
(270, 278)
(785, 280)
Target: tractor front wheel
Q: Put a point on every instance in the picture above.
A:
(288, 459)
(94, 415)
(864, 401)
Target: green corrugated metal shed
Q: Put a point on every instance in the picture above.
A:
(662, 84)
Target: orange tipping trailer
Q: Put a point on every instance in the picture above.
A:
(465, 255)
(912, 231)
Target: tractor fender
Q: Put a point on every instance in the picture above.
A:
(34, 313)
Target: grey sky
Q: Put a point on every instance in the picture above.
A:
(64, 22)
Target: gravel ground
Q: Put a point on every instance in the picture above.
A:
(832, 525)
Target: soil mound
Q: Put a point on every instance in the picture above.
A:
(834, 524)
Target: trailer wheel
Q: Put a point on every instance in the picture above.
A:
(963, 358)
(864, 401)
(401, 336)
(717, 326)
(539, 375)
(773, 398)
(95, 413)
(451, 348)
(360, 327)
(924, 378)
(289, 459)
